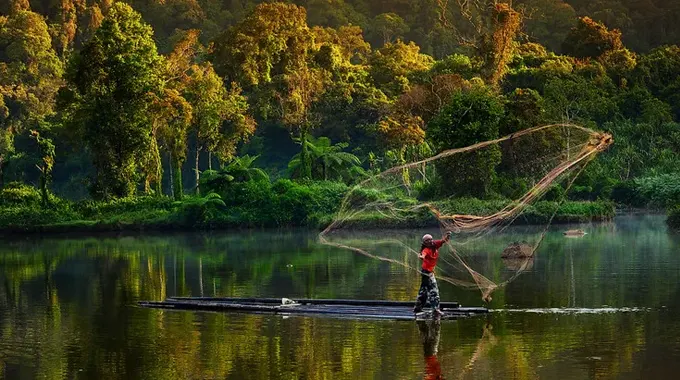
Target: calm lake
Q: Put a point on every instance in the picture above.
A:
(604, 306)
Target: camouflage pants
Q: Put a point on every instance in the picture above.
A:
(428, 291)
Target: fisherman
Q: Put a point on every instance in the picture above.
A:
(429, 253)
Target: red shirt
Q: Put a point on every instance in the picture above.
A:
(433, 370)
(431, 255)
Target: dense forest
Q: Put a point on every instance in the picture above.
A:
(266, 112)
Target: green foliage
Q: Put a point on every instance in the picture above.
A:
(386, 28)
(109, 98)
(524, 109)
(455, 64)
(31, 217)
(393, 65)
(30, 76)
(673, 219)
(591, 39)
(283, 203)
(199, 210)
(578, 99)
(659, 72)
(328, 162)
(98, 210)
(550, 21)
(127, 107)
(18, 194)
(468, 118)
(239, 170)
(659, 191)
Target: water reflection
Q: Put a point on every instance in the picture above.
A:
(430, 332)
(67, 310)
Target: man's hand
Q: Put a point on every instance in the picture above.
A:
(447, 237)
(421, 255)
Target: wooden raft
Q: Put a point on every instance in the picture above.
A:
(337, 308)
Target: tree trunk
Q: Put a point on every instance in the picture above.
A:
(2, 173)
(405, 175)
(196, 172)
(209, 160)
(43, 188)
(172, 182)
(159, 169)
(159, 186)
(177, 168)
(306, 165)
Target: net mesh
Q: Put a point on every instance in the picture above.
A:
(484, 253)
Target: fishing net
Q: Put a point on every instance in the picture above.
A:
(512, 172)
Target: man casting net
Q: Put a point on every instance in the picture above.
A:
(510, 173)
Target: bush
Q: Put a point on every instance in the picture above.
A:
(626, 193)
(555, 193)
(19, 194)
(673, 219)
(93, 209)
(659, 191)
(25, 217)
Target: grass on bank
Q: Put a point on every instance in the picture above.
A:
(282, 203)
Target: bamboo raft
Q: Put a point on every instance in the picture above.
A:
(336, 308)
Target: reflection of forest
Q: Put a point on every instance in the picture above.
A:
(67, 310)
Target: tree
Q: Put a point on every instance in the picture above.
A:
(270, 54)
(111, 86)
(524, 109)
(46, 149)
(393, 64)
(30, 76)
(659, 72)
(488, 27)
(591, 39)
(548, 21)
(470, 117)
(220, 117)
(386, 27)
(577, 99)
(427, 99)
(173, 118)
(496, 46)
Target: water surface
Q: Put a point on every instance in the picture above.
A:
(603, 306)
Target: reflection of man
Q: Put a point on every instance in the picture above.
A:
(429, 333)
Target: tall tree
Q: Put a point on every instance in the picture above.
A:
(471, 116)
(591, 39)
(47, 154)
(489, 27)
(394, 64)
(111, 86)
(30, 76)
(270, 54)
(221, 120)
(548, 21)
(173, 118)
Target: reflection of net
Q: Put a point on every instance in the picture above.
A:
(526, 164)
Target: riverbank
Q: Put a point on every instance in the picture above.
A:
(211, 213)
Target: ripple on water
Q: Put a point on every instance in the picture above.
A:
(575, 310)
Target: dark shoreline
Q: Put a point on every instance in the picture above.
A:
(102, 229)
